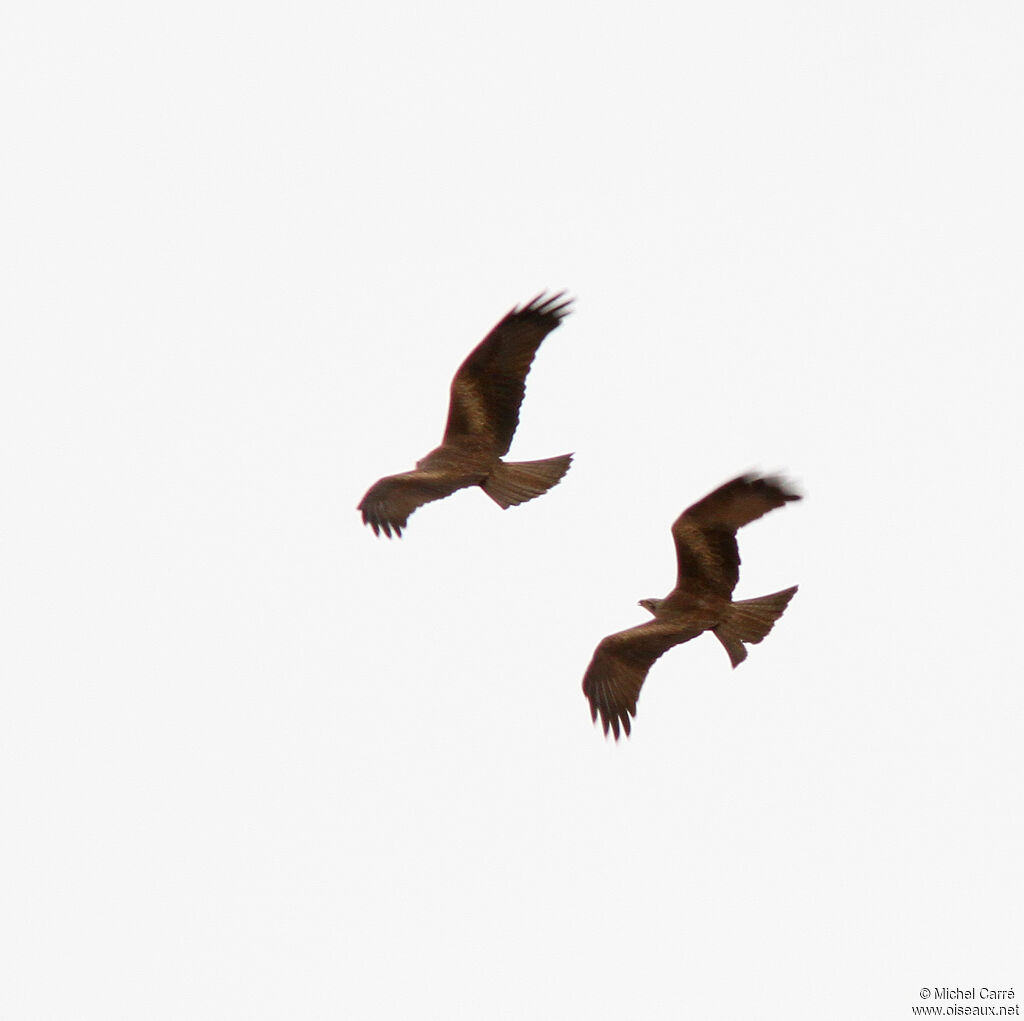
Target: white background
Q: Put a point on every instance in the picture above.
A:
(260, 764)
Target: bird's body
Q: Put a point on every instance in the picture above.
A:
(679, 603)
(483, 412)
(708, 570)
(466, 461)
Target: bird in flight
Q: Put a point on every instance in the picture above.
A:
(709, 568)
(483, 413)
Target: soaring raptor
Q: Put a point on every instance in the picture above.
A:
(709, 568)
(483, 413)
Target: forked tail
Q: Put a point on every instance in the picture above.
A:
(518, 481)
(750, 620)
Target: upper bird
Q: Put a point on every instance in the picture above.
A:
(483, 413)
(709, 568)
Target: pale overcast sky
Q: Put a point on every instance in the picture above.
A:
(261, 765)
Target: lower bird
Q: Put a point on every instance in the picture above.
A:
(709, 568)
(483, 413)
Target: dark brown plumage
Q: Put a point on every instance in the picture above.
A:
(483, 413)
(709, 568)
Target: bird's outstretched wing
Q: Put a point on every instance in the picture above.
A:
(390, 500)
(620, 664)
(705, 534)
(489, 386)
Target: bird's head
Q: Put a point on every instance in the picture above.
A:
(651, 605)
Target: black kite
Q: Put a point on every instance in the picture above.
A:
(483, 413)
(709, 568)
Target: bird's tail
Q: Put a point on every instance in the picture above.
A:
(515, 482)
(750, 620)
